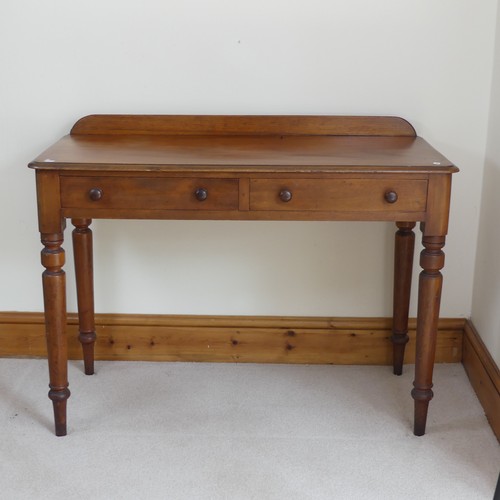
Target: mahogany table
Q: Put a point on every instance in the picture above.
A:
(242, 168)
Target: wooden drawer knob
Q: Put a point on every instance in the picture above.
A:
(201, 194)
(285, 195)
(391, 196)
(95, 194)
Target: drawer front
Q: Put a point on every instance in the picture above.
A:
(344, 195)
(158, 193)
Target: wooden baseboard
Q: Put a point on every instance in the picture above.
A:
(483, 374)
(360, 341)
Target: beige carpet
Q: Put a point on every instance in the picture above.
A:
(227, 431)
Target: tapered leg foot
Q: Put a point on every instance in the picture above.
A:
(422, 398)
(59, 398)
(399, 342)
(87, 339)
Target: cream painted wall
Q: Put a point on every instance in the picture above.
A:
(486, 296)
(428, 61)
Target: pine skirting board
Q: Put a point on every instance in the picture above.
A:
(483, 374)
(251, 339)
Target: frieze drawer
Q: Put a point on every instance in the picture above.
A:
(343, 195)
(162, 193)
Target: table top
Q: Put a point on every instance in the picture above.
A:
(165, 149)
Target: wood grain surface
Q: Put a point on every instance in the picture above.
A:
(364, 341)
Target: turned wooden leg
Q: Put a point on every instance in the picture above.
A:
(82, 249)
(429, 298)
(403, 265)
(54, 293)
